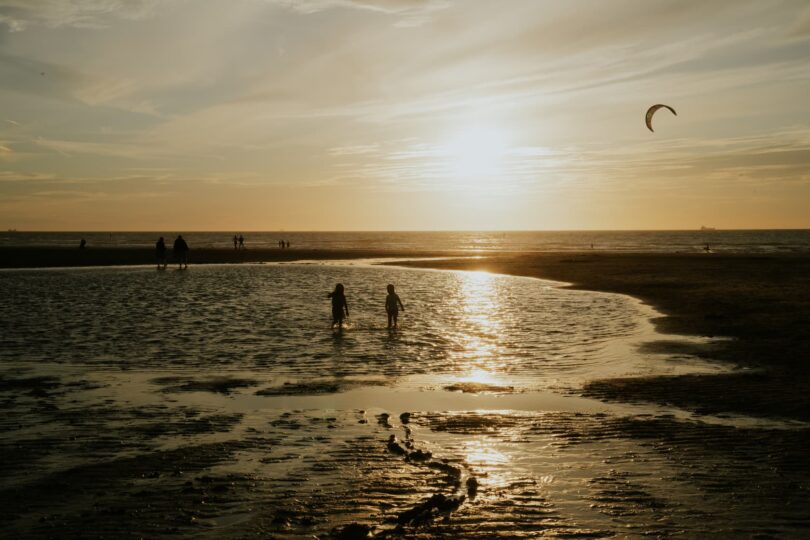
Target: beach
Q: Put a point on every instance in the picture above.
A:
(216, 402)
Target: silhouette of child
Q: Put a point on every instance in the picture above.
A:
(339, 305)
(392, 305)
(160, 252)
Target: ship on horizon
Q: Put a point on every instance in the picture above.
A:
(705, 228)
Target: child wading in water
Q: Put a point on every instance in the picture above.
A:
(339, 305)
(392, 305)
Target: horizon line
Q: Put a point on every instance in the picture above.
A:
(400, 231)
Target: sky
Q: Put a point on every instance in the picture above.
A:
(403, 114)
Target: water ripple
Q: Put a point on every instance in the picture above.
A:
(277, 318)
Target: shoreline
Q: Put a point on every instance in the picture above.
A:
(760, 301)
(56, 257)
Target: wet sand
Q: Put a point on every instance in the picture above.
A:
(80, 461)
(761, 302)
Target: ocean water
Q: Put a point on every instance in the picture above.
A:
(737, 241)
(223, 399)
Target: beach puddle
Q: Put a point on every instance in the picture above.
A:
(218, 403)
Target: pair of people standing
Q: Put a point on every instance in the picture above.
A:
(238, 242)
(340, 306)
(180, 249)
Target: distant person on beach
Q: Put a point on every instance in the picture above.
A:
(288, 244)
(83, 244)
(160, 252)
(235, 241)
(281, 244)
(241, 242)
(181, 252)
(707, 249)
(392, 306)
(339, 305)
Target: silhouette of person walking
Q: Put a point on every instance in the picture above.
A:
(241, 242)
(181, 252)
(235, 241)
(392, 305)
(288, 244)
(82, 244)
(160, 252)
(339, 305)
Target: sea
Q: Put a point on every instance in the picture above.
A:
(731, 241)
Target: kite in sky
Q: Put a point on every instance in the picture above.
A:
(651, 111)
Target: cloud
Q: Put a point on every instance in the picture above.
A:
(770, 161)
(801, 28)
(410, 12)
(353, 150)
(51, 80)
(773, 160)
(420, 166)
(119, 93)
(18, 15)
(121, 150)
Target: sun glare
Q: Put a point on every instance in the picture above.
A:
(477, 152)
(481, 376)
(481, 453)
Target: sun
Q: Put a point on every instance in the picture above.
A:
(476, 153)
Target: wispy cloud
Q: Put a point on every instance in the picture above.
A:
(771, 160)
(801, 28)
(20, 14)
(353, 150)
(408, 12)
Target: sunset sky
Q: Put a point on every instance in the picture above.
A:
(403, 114)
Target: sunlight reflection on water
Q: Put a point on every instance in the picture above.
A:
(275, 319)
(480, 309)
